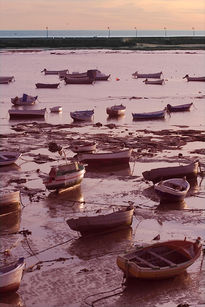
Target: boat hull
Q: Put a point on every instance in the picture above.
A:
(155, 175)
(171, 190)
(179, 108)
(46, 85)
(10, 281)
(148, 116)
(9, 198)
(25, 114)
(8, 158)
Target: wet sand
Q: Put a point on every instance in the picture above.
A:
(66, 268)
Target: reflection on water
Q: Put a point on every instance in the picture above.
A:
(105, 171)
(142, 291)
(10, 222)
(172, 206)
(115, 119)
(195, 184)
(100, 244)
(69, 199)
(11, 299)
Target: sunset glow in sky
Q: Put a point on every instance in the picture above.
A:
(99, 14)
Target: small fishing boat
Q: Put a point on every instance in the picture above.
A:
(202, 79)
(155, 175)
(179, 108)
(149, 115)
(149, 75)
(78, 80)
(107, 158)
(54, 72)
(47, 85)
(116, 110)
(160, 260)
(24, 100)
(6, 79)
(174, 189)
(86, 115)
(83, 146)
(97, 75)
(16, 114)
(8, 198)
(8, 157)
(11, 275)
(157, 82)
(64, 176)
(103, 222)
(56, 109)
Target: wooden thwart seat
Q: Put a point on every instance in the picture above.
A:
(146, 262)
(162, 258)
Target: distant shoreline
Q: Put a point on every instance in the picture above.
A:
(116, 43)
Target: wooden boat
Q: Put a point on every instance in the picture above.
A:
(152, 75)
(202, 79)
(104, 222)
(56, 109)
(54, 72)
(174, 189)
(16, 114)
(11, 275)
(160, 260)
(86, 115)
(179, 108)
(157, 82)
(107, 158)
(101, 76)
(149, 115)
(24, 100)
(6, 79)
(155, 175)
(8, 157)
(9, 198)
(116, 110)
(47, 85)
(78, 80)
(83, 146)
(64, 176)
(97, 75)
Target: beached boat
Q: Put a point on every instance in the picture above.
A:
(107, 158)
(157, 82)
(83, 146)
(6, 79)
(149, 75)
(16, 114)
(160, 260)
(54, 72)
(103, 222)
(64, 176)
(202, 79)
(149, 115)
(8, 157)
(179, 108)
(78, 80)
(116, 110)
(174, 189)
(56, 109)
(86, 115)
(155, 175)
(47, 85)
(11, 275)
(24, 100)
(8, 198)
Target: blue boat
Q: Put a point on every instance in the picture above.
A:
(179, 108)
(86, 115)
(149, 115)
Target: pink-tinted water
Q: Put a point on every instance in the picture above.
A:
(90, 266)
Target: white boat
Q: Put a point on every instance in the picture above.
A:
(64, 176)
(56, 109)
(83, 146)
(24, 100)
(103, 222)
(116, 110)
(8, 198)
(8, 157)
(15, 114)
(107, 158)
(54, 72)
(82, 116)
(11, 275)
(174, 189)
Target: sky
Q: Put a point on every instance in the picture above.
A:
(101, 14)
